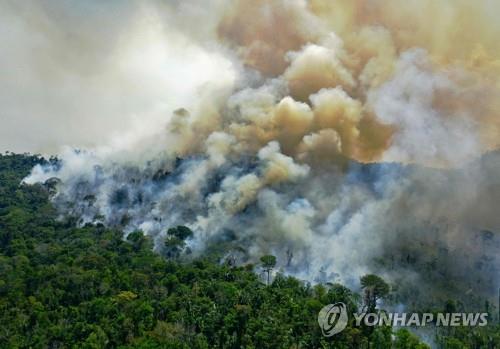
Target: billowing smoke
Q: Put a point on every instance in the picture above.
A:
(343, 136)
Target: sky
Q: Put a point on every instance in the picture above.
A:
(86, 73)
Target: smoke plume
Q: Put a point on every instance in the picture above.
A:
(344, 137)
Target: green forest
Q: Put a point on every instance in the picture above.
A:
(63, 286)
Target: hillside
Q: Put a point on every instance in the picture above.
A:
(63, 287)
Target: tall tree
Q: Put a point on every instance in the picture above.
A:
(374, 288)
(268, 264)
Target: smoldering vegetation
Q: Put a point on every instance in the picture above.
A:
(432, 232)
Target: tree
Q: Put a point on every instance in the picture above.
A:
(180, 232)
(139, 240)
(268, 264)
(374, 288)
(175, 241)
(407, 340)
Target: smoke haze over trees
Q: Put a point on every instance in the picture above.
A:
(343, 137)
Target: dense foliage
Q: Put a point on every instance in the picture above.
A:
(68, 287)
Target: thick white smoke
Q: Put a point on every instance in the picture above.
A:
(426, 134)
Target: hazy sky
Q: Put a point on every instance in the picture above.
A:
(79, 73)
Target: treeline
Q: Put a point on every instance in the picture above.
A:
(68, 287)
